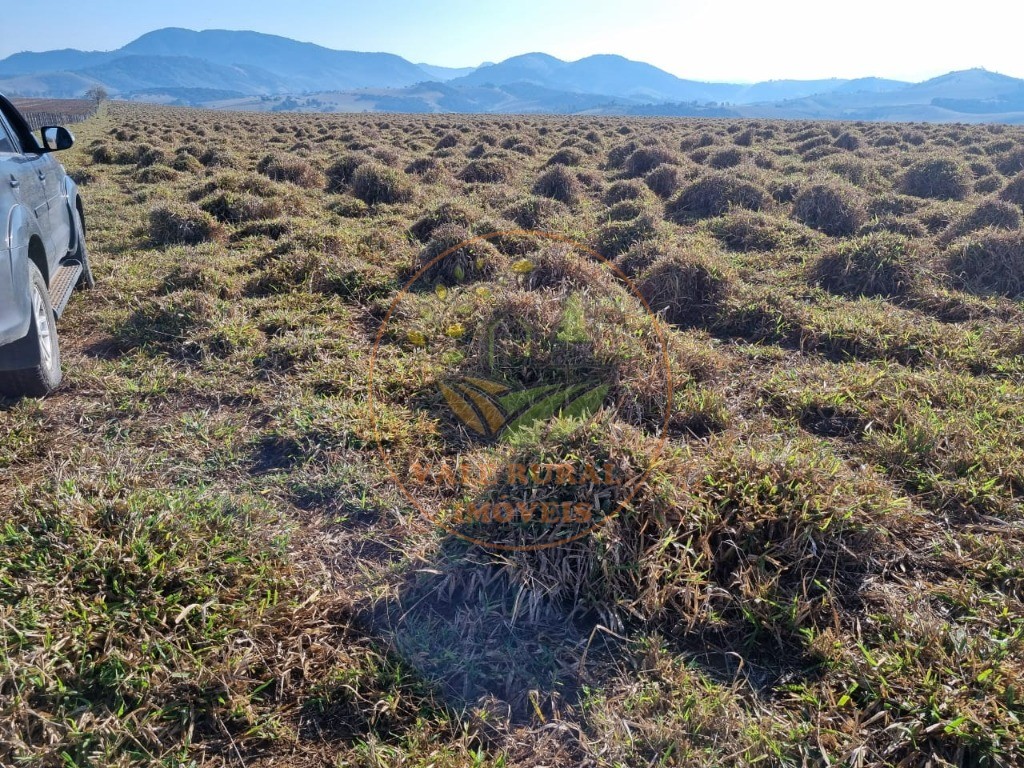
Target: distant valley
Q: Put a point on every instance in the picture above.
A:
(253, 71)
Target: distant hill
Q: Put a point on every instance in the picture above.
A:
(251, 70)
(443, 74)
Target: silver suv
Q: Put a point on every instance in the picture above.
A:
(42, 253)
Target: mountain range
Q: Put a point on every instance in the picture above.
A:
(252, 70)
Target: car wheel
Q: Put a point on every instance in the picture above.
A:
(44, 377)
(81, 254)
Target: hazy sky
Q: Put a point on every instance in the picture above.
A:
(742, 40)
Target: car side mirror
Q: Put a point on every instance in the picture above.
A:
(56, 138)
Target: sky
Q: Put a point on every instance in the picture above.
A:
(737, 41)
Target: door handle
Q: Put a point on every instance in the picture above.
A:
(14, 182)
(42, 176)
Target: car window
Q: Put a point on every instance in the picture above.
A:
(17, 128)
(6, 142)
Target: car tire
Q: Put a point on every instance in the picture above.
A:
(44, 377)
(81, 254)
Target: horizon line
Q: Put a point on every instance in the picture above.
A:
(711, 81)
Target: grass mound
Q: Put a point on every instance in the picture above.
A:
(627, 189)
(472, 261)
(567, 156)
(374, 183)
(939, 178)
(448, 212)
(881, 264)
(234, 181)
(626, 210)
(990, 261)
(154, 174)
(742, 230)
(616, 238)
(559, 183)
(558, 266)
(990, 213)
(534, 212)
(687, 288)
(640, 257)
(486, 170)
(1014, 191)
(833, 208)
(712, 196)
(340, 172)
(293, 170)
(182, 224)
(238, 207)
(664, 180)
(646, 159)
(726, 158)
(186, 163)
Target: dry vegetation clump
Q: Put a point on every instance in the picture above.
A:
(447, 141)
(664, 180)
(646, 159)
(147, 155)
(990, 261)
(639, 257)
(340, 172)
(617, 237)
(154, 174)
(779, 498)
(374, 184)
(186, 163)
(726, 158)
(834, 208)
(559, 183)
(487, 170)
(625, 211)
(1014, 191)
(294, 170)
(849, 141)
(567, 156)
(182, 224)
(742, 230)
(687, 289)
(989, 213)
(938, 178)
(881, 264)
(1012, 162)
(447, 212)
(713, 195)
(239, 207)
(217, 157)
(453, 256)
(629, 189)
(557, 266)
(535, 212)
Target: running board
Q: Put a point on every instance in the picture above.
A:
(63, 285)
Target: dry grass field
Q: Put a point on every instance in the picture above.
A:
(206, 562)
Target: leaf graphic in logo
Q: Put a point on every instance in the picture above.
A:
(492, 415)
(462, 409)
(544, 408)
(587, 403)
(489, 408)
(491, 387)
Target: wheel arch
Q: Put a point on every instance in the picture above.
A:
(37, 255)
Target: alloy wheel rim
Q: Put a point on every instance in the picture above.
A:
(43, 328)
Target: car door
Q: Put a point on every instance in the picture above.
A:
(51, 173)
(11, 312)
(26, 174)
